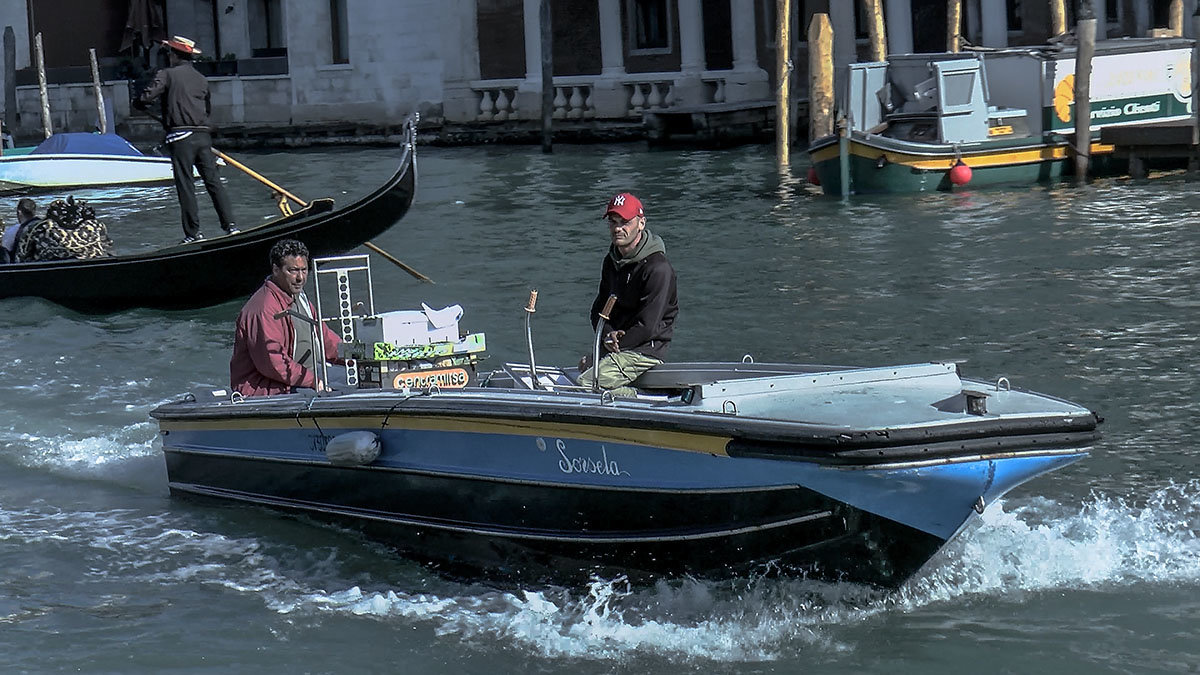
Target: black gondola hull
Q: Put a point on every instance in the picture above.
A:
(212, 271)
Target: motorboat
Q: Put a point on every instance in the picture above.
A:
(68, 161)
(714, 469)
(1004, 116)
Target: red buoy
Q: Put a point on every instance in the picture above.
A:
(812, 176)
(960, 173)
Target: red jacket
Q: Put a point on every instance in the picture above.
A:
(262, 362)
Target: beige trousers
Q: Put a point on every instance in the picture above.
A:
(617, 370)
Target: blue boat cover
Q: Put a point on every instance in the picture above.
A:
(86, 144)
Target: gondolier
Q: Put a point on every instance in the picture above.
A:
(186, 107)
(642, 321)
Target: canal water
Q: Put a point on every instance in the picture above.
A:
(1087, 293)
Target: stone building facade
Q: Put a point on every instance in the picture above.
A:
(308, 63)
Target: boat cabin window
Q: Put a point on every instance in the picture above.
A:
(957, 88)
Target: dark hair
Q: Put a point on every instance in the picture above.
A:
(27, 205)
(285, 248)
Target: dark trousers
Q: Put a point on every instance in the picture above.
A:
(196, 150)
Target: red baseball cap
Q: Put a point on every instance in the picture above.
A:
(624, 205)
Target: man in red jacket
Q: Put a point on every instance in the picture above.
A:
(275, 354)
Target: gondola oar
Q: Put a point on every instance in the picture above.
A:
(287, 195)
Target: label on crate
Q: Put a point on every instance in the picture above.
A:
(386, 351)
(447, 378)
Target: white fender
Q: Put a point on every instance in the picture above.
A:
(353, 448)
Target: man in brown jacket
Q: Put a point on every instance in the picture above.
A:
(186, 107)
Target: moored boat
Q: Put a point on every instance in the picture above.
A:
(715, 469)
(69, 161)
(1006, 114)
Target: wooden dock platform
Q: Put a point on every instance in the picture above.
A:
(1144, 145)
(715, 124)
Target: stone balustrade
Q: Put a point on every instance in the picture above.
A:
(575, 96)
(497, 99)
(652, 91)
(573, 99)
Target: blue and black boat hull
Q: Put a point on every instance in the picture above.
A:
(547, 486)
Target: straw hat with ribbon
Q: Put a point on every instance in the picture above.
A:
(182, 45)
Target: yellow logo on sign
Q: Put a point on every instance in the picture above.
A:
(451, 378)
(1000, 131)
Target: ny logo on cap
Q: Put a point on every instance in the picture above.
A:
(619, 200)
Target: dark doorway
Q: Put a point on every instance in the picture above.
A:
(576, 37)
(929, 19)
(70, 28)
(718, 35)
(501, 26)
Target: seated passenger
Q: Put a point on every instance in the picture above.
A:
(26, 214)
(276, 355)
(70, 231)
(641, 324)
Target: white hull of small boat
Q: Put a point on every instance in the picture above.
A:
(27, 173)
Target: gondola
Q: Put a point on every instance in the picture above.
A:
(212, 271)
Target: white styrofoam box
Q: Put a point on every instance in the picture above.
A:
(408, 327)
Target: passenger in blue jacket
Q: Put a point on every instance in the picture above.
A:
(639, 328)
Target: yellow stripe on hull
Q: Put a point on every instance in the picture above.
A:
(977, 159)
(654, 438)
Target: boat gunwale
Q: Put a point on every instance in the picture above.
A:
(789, 439)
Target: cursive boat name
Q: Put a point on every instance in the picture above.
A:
(1128, 109)
(1141, 109)
(600, 466)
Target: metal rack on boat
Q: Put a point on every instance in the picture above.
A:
(408, 349)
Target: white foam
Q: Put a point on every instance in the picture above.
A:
(88, 456)
(1034, 545)
(1038, 545)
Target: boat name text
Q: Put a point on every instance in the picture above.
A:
(454, 378)
(1127, 109)
(601, 466)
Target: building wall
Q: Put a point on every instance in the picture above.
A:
(428, 56)
(395, 64)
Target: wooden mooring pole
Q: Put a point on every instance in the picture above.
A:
(1193, 157)
(820, 77)
(877, 34)
(953, 24)
(47, 126)
(547, 39)
(10, 80)
(1085, 33)
(783, 99)
(1058, 17)
(103, 119)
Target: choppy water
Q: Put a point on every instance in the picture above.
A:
(1088, 293)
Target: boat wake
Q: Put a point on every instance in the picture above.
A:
(1036, 546)
(1019, 547)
